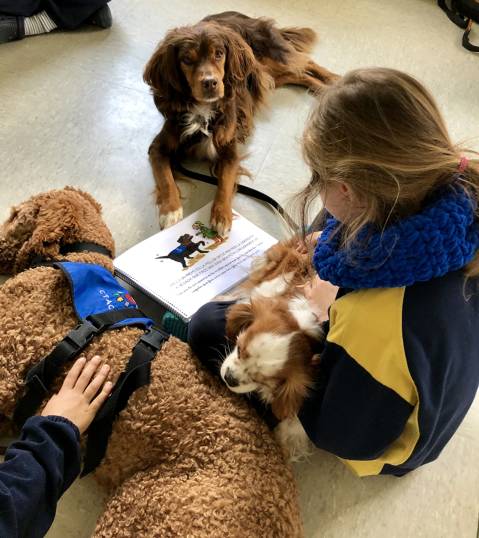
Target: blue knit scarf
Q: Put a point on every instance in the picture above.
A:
(442, 238)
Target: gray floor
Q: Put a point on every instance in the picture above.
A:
(74, 110)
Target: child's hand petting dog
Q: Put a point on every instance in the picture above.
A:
(321, 295)
(82, 394)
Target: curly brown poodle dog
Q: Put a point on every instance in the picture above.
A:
(185, 457)
(208, 80)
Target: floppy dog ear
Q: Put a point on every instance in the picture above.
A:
(87, 196)
(57, 218)
(242, 68)
(290, 394)
(238, 318)
(163, 73)
(14, 232)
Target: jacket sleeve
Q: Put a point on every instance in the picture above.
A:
(36, 471)
(348, 412)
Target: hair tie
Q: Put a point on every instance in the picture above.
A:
(463, 164)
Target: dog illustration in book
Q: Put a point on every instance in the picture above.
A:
(208, 233)
(184, 251)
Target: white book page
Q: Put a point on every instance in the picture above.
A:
(160, 265)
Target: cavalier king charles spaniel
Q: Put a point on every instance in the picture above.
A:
(207, 81)
(277, 340)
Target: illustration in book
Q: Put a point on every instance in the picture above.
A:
(187, 265)
(191, 250)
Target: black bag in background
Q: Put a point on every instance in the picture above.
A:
(463, 13)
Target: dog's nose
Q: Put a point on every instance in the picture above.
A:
(230, 379)
(209, 83)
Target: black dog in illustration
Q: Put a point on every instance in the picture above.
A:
(184, 251)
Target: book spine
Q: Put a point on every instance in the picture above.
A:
(166, 304)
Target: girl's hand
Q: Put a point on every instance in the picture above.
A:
(321, 295)
(309, 243)
(79, 398)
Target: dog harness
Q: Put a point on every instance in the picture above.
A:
(100, 304)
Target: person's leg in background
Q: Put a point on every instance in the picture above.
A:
(22, 18)
(207, 338)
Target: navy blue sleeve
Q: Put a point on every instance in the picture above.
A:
(348, 412)
(37, 470)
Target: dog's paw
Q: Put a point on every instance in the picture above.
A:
(222, 227)
(221, 220)
(170, 218)
(293, 440)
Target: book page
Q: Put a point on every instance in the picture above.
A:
(187, 265)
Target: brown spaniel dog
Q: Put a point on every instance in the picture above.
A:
(207, 82)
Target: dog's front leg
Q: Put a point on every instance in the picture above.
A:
(167, 193)
(293, 439)
(222, 212)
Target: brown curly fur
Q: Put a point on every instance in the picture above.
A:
(186, 457)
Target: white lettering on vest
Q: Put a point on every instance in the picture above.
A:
(109, 302)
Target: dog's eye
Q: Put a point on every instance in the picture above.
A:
(219, 54)
(186, 60)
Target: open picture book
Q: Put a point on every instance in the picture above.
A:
(187, 265)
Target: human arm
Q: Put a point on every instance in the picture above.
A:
(46, 460)
(363, 395)
(321, 295)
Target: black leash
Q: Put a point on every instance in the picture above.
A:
(242, 189)
(454, 16)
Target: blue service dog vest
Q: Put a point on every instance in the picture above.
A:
(100, 304)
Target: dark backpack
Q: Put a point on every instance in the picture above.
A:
(463, 13)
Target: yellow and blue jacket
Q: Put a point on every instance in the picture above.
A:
(398, 372)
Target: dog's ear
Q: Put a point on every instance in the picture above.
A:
(163, 73)
(57, 218)
(63, 217)
(291, 392)
(238, 318)
(242, 68)
(290, 395)
(87, 196)
(14, 232)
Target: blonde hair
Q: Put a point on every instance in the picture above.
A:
(380, 132)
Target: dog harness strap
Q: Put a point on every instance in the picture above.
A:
(100, 304)
(84, 246)
(40, 377)
(136, 375)
(80, 246)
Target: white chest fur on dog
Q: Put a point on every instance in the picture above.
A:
(198, 120)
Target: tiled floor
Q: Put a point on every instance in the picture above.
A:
(74, 110)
